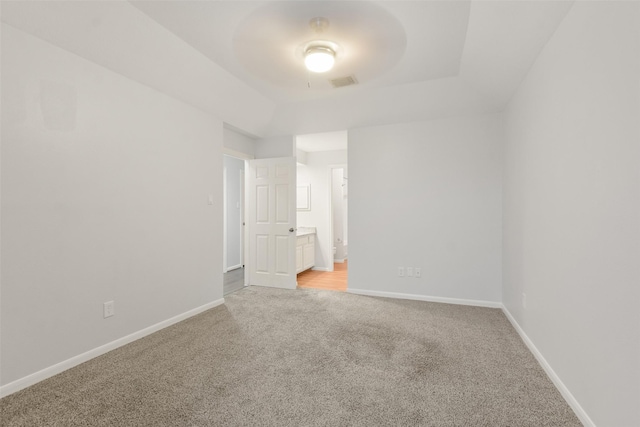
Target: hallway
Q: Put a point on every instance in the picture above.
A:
(335, 280)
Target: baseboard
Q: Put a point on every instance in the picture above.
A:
(321, 269)
(564, 391)
(477, 303)
(339, 261)
(274, 286)
(45, 373)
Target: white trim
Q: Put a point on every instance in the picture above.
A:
(321, 269)
(246, 259)
(237, 154)
(45, 373)
(564, 391)
(339, 261)
(233, 267)
(224, 220)
(242, 221)
(473, 302)
(276, 285)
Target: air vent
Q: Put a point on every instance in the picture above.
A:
(344, 81)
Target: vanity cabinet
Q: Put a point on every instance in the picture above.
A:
(305, 252)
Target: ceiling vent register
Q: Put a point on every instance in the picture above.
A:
(343, 81)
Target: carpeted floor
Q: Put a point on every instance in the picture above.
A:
(272, 357)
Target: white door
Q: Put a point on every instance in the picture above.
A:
(272, 222)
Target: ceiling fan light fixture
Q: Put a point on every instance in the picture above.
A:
(319, 59)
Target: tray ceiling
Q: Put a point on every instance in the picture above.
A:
(381, 43)
(241, 62)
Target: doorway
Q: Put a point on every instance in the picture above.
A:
(233, 253)
(334, 279)
(322, 174)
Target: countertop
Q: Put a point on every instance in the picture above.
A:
(303, 231)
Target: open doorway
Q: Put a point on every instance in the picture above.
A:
(321, 180)
(233, 253)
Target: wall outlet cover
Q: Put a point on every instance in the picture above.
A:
(108, 309)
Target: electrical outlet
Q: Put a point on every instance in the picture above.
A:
(524, 300)
(108, 309)
(409, 271)
(400, 271)
(417, 272)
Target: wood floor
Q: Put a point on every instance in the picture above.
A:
(335, 280)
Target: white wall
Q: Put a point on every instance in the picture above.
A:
(105, 184)
(120, 37)
(572, 208)
(234, 192)
(301, 156)
(427, 194)
(317, 174)
(238, 144)
(275, 146)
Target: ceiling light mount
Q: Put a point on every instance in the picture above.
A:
(319, 24)
(319, 58)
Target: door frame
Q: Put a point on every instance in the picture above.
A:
(245, 236)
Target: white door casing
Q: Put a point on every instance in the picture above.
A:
(233, 218)
(272, 222)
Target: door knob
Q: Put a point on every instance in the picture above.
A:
(291, 230)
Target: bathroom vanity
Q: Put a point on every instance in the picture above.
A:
(305, 248)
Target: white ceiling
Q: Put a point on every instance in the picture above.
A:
(326, 141)
(241, 60)
(381, 43)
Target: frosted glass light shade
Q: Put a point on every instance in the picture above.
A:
(319, 59)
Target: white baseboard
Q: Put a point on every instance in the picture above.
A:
(295, 285)
(322, 269)
(340, 260)
(477, 303)
(45, 373)
(564, 391)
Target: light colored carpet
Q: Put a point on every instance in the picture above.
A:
(272, 357)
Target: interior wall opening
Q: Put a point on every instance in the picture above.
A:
(233, 200)
(322, 245)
